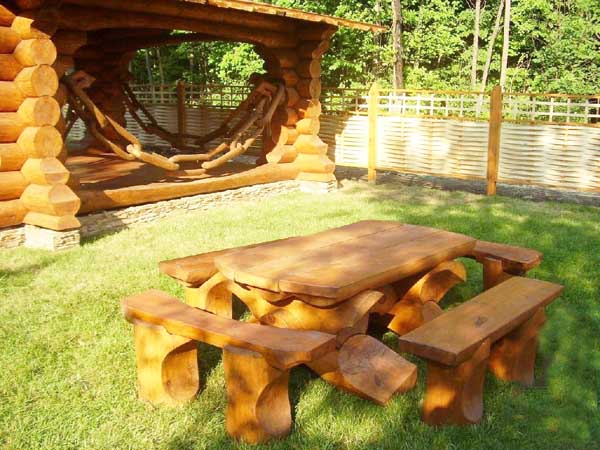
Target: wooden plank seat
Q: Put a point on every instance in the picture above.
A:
(256, 358)
(498, 329)
(500, 261)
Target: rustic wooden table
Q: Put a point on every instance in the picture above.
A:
(326, 282)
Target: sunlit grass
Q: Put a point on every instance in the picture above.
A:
(68, 375)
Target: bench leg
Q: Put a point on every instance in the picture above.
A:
(455, 394)
(258, 405)
(513, 357)
(167, 366)
(493, 273)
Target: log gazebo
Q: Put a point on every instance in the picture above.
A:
(45, 185)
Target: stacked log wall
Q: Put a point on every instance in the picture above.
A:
(296, 125)
(32, 179)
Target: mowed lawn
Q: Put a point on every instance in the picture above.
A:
(67, 362)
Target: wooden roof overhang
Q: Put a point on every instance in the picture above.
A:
(228, 20)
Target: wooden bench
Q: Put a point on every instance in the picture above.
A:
(497, 329)
(501, 261)
(256, 358)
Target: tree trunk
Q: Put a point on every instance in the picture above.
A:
(475, 44)
(490, 49)
(148, 67)
(505, 44)
(397, 26)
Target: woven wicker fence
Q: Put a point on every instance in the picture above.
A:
(549, 140)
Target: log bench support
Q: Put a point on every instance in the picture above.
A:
(501, 261)
(257, 360)
(498, 330)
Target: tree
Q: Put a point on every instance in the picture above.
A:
(490, 49)
(397, 30)
(475, 44)
(505, 43)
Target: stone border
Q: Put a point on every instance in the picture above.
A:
(118, 219)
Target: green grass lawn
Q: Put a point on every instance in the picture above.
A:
(67, 361)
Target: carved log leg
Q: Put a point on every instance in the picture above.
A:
(368, 368)
(433, 286)
(493, 273)
(513, 357)
(167, 366)
(258, 405)
(455, 394)
(409, 315)
(213, 296)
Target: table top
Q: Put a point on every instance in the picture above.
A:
(342, 262)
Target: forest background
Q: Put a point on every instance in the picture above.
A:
(553, 46)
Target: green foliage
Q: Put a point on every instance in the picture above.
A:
(555, 47)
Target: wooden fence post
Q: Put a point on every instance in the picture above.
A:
(494, 139)
(181, 116)
(373, 112)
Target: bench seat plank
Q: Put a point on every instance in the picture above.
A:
(514, 259)
(280, 347)
(452, 337)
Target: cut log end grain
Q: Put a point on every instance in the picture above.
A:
(309, 88)
(310, 144)
(310, 126)
(45, 171)
(308, 109)
(37, 81)
(39, 111)
(41, 142)
(314, 163)
(53, 200)
(34, 52)
(36, 24)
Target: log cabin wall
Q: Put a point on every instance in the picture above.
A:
(33, 180)
(40, 40)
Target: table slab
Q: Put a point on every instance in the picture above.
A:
(342, 262)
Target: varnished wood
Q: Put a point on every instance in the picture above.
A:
(490, 315)
(513, 357)
(281, 348)
(12, 157)
(45, 171)
(434, 285)
(12, 185)
(40, 142)
(53, 200)
(366, 367)
(492, 272)
(167, 366)
(454, 395)
(408, 315)
(258, 405)
(310, 144)
(493, 155)
(515, 260)
(212, 296)
(34, 52)
(340, 263)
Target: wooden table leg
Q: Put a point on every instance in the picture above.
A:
(455, 394)
(258, 405)
(213, 296)
(167, 366)
(513, 357)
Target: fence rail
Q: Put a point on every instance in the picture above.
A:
(540, 139)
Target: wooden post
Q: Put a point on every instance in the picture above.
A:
(181, 116)
(373, 110)
(494, 139)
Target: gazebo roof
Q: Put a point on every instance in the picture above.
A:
(267, 9)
